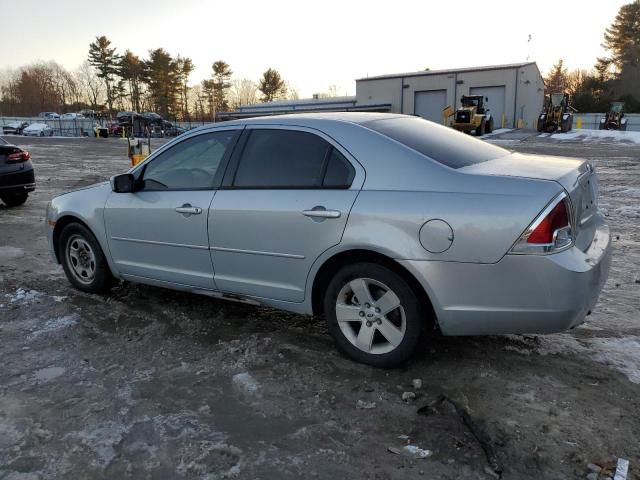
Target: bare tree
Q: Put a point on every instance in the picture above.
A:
(242, 92)
(91, 87)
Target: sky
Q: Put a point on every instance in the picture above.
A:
(313, 44)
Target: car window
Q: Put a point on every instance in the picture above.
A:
(339, 172)
(440, 143)
(189, 165)
(282, 159)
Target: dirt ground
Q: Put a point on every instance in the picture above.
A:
(147, 383)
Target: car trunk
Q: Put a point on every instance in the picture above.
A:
(576, 176)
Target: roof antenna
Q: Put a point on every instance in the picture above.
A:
(529, 47)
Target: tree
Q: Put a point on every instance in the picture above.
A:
(557, 80)
(131, 70)
(242, 92)
(106, 62)
(161, 75)
(272, 85)
(620, 70)
(184, 67)
(221, 82)
(91, 88)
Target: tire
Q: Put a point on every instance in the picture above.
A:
(480, 129)
(14, 199)
(83, 260)
(388, 339)
(42, 133)
(489, 126)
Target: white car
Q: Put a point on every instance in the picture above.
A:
(71, 116)
(38, 130)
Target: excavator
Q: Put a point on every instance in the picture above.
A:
(556, 114)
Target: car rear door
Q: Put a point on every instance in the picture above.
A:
(159, 231)
(285, 199)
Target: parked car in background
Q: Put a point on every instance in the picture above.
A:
(115, 129)
(38, 130)
(87, 113)
(14, 128)
(70, 116)
(174, 131)
(48, 115)
(16, 174)
(386, 224)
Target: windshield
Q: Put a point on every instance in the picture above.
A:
(616, 107)
(442, 144)
(470, 102)
(557, 99)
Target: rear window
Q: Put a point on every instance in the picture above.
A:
(442, 144)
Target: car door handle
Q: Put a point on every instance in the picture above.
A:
(187, 210)
(321, 212)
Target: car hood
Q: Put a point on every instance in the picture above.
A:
(87, 187)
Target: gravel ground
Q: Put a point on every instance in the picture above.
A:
(150, 383)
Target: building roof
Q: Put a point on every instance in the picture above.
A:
(294, 104)
(422, 73)
(280, 107)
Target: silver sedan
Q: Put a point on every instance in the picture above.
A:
(388, 225)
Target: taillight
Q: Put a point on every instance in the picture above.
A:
(550, 232)
(18, 157)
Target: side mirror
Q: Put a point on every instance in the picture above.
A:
(123, 183)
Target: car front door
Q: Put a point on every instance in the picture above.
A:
(159, 231)
(285, 199)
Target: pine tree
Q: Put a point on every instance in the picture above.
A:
(272, 85)
(163, 81)
(131, 70)
(221, 82)
(558, 80)
(106, 61)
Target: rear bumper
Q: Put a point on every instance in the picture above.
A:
(520, 293)
(22, 180)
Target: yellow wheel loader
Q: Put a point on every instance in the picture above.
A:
(472, 116)
(614, 119)
(556, 114)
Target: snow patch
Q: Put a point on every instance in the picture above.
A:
(597, 136)
(49, 373)
(23, 296)
(101, 440)
(9, 253)
(245, 383)
(56, 324)
(621, 353)
(629, 211)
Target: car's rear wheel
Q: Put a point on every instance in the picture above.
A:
(83, 260)
(14, 199)
(373, 314)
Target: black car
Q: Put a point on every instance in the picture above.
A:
(16, 174)
(14, 128)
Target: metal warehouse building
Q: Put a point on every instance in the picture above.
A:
(515, 92)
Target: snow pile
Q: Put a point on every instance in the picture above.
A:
(586, 135)
(23, 296)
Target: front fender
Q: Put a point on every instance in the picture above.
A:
(87, 206)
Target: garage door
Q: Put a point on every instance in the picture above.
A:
(429, 104)
(495, 103)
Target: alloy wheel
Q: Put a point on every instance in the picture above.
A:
(371, 316)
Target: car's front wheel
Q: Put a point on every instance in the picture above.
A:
(83, 260)
(14, 199)
(373, 314)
